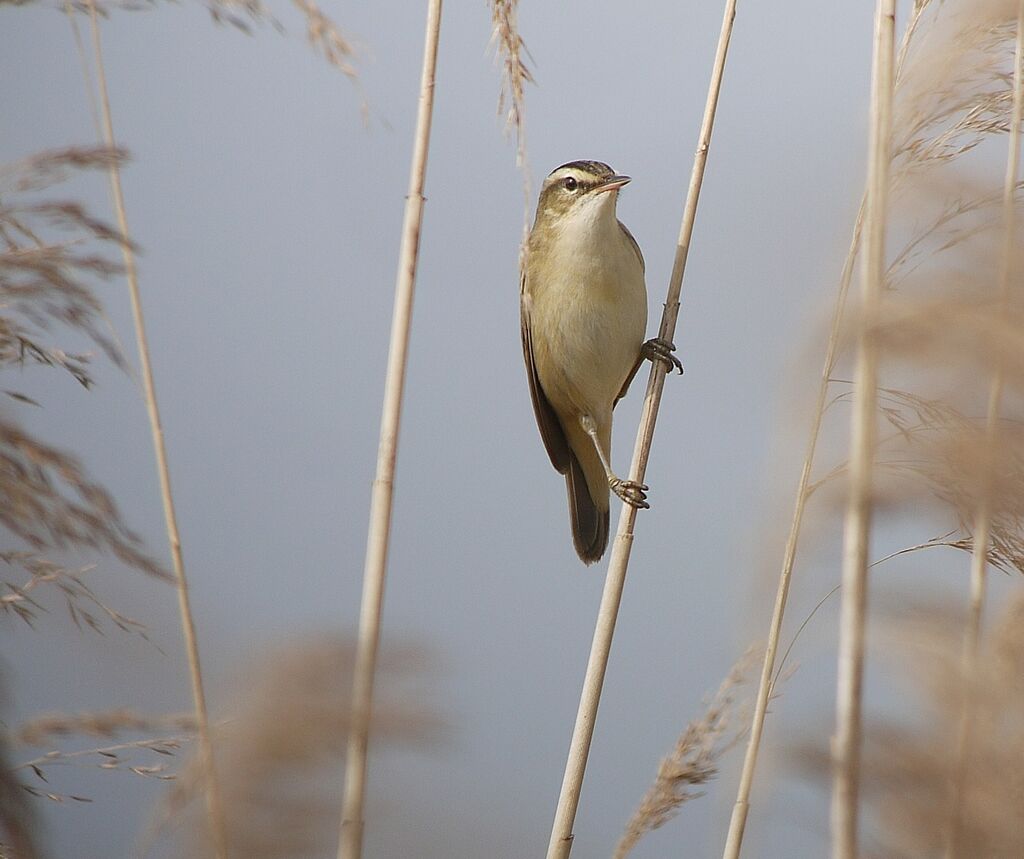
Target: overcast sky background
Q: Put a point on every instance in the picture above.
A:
(269, 218)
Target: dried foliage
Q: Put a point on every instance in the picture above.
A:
(936, 452)
(326, 38)
(324, 35)
(908, 767)
(941, 324)
(42, 730)
(51, 254)
(279, 752)
(48, 501)
(942, 333)
(148, 757)
(515, 74)
(17, 819)
(240, 14)
(695, 758)
(959, 218)
(85, 608)
(956, 89)
(954, 459)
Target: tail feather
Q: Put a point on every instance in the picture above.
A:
(589, 523)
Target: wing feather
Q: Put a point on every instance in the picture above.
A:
(640, 358)
(636, 247)
(547, 421)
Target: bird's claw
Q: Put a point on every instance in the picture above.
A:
(633, 493)
(657, 349)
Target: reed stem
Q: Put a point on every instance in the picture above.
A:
(853, 612)
(353, 803)
(738, 821)
(560, 844)
(741, 808)
(214, 797)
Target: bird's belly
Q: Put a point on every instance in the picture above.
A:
(589, 338)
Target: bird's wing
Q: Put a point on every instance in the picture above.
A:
(629, 379)
(640, 358)
(550, 429)
(636, 247)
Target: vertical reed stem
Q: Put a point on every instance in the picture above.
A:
(351, 839)
(738, 822)
(853, 616)
(560, 844)
(983, 519)
(214, 800)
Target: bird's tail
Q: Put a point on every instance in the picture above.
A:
(589, 522)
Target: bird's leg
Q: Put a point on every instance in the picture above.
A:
(633, 493)
(658, 349)
(654, 349)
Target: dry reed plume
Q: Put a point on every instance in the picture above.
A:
(17, 818)
(52, 252)
(515, 74)
(52, 255)
(694, 760)
(908, 765)
(942, 325)
(47, 500)
(324, 35)
(952, 95)
(36, 481)
(85, 608)
(940, 338)
(149, 757)
(44, 729)
(280, 747)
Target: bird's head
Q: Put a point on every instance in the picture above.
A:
(579, 189)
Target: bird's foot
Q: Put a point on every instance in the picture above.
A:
(657, 349)
(633, 493)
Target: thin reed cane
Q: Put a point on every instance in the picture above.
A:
(351, 839)
(857, 530)
(741, 808)
(738, 821)
(983, 519)
(560, 844)
(214, 800)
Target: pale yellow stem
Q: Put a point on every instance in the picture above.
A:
(560, 844)
(853, 613)
(215, 805)
(353, 803)
(738, 822)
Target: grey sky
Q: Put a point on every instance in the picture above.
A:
(269, 217)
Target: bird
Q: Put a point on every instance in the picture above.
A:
(583, 314)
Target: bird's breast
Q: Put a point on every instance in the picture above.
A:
(588, 316)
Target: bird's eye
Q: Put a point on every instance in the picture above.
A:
(570, 184)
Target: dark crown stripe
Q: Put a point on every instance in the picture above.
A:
(595, 168)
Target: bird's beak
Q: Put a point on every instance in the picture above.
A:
(613, 183)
